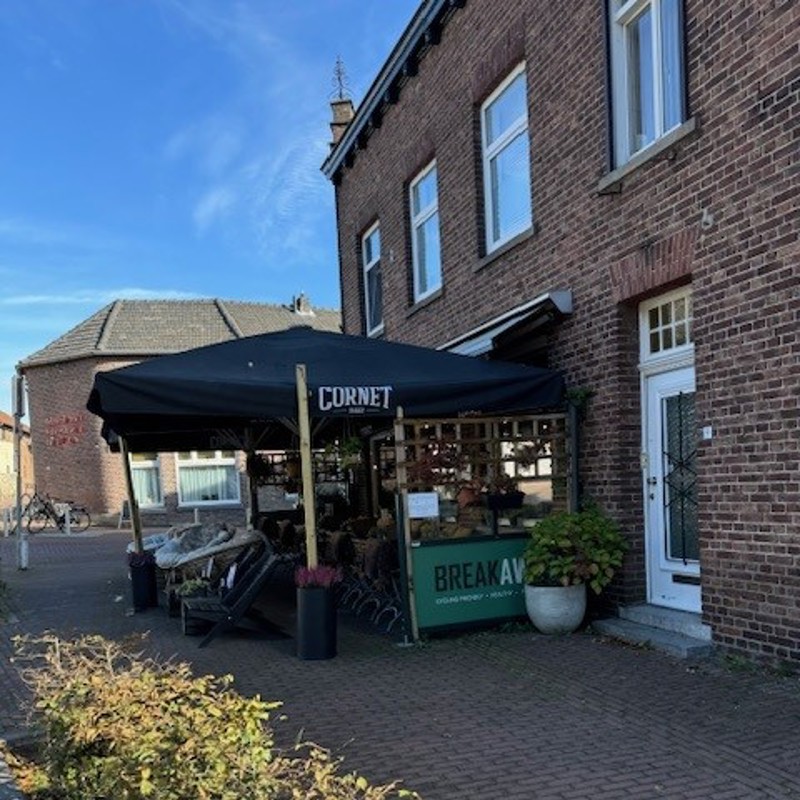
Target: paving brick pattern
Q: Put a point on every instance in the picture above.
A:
(494, 715)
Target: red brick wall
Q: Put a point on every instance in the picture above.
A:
(73, 461)
(741, 166)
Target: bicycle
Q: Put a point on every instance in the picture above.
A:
(43, 512)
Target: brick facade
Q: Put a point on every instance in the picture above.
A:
(72, 459)
(718, 211)
(8, 474)
(75, 462)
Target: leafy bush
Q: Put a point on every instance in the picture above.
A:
(571, 548)
(117, 725)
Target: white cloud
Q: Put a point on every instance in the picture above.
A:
(213, 205)
(214, 144)
(95, 297)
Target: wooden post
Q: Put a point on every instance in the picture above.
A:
(136, 522)
(402, 487)
(304, 425)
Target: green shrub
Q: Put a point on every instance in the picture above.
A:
(117, 725)
(571, 548)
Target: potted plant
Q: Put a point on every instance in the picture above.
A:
(566, 553)
(142, 568)
(316, 611)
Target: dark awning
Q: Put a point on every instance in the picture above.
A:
(248, 385)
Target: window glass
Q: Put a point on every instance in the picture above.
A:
(506, 110)
(668, 325)
(424, 192)
(671, 47)
(647, 73)
(640, 71)
(506, 161)
(208, 477)
(146, 479)
(373, 288)
(511, 197)
(425, 242)
(375, 297)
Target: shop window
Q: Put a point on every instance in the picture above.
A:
(506, 160)
(425, 240)
(207, 477)
(647, 73)
(373, 284)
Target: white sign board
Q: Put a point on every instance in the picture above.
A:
(423, 505)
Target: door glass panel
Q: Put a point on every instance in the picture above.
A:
(680, 478)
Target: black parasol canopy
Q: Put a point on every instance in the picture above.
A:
(215, 396)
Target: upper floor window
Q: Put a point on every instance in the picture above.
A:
(146, 477)
(207, 477)
(425, 242)
(506, 160)
(373, 285)
(647, 72)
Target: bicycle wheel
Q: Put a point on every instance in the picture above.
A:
(38, 521)
(79, 519)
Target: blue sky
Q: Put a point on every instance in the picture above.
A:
(170, 148)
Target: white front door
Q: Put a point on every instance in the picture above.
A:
(670, 490)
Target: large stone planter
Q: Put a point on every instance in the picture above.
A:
(556, 609)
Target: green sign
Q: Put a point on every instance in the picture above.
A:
(471, 580)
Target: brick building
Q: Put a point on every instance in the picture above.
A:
(8, 474)
(612, 190)
(71, 458)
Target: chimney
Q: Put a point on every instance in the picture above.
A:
(302, 306)
(343, 111)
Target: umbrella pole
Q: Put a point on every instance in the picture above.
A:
(304, 424)
(136, 522)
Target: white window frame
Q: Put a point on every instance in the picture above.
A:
(620, 16)
(218, 460)
(367, 266)
(672, 357)
(149, 464)
(418, 220)
(489, 152)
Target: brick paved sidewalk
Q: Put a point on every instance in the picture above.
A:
(489, 716)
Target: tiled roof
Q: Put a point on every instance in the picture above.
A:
(154, 327)
(7, 421)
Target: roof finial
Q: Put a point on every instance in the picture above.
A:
(340, 88)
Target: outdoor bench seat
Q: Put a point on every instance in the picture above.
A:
(234, 609)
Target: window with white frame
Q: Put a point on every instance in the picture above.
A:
(425, 241)
(146, 476)
(373, 285)
(666, 325)
(647, 72)
(207, 477)
(506, 160)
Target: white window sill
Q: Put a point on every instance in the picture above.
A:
(210, 504)
(612, 182)
(375, 333)
(424, 302)
(501, 250)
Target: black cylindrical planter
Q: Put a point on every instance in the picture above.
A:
(143, 584)
(316, 622)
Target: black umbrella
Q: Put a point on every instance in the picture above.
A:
(246, 392)
(227, 387)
